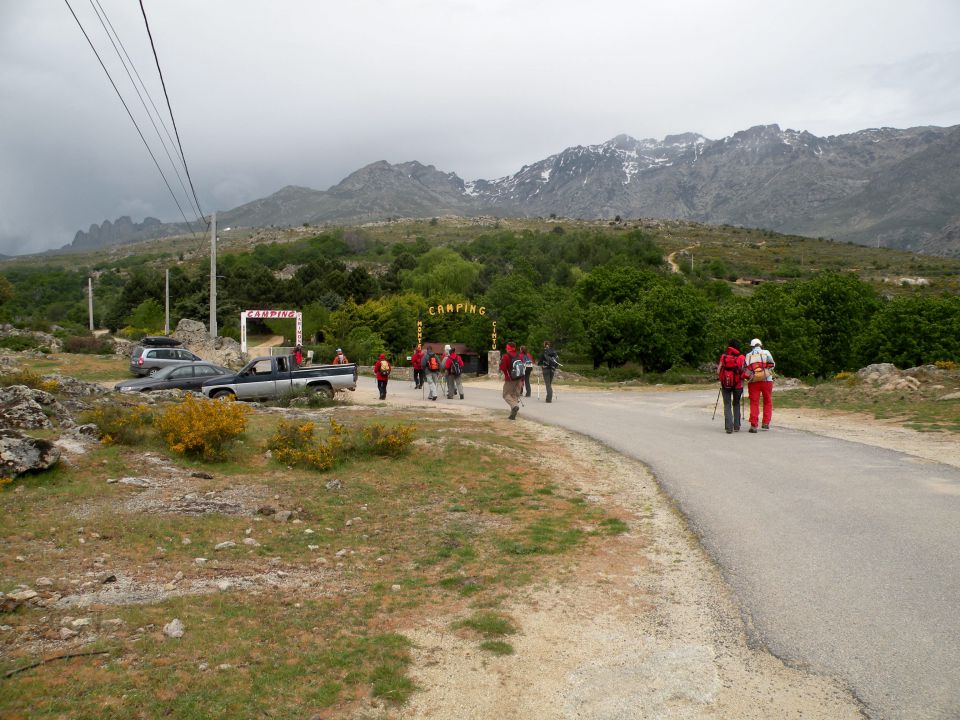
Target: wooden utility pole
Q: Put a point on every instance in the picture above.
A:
(166, 303)
(90, 301)
(213, 275)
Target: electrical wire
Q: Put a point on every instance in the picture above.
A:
(169, 108)
(130, 114)
(104, 21)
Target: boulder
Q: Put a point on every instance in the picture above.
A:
(882, 370)
(27, 408)
(222, 350)
(20, 454)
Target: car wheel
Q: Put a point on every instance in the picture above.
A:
(324, 390)
(222, 394)
(153, 371)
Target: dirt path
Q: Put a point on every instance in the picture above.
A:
(671, 258)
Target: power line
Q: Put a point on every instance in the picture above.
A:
(170, 109)
(130, 114)
(137, 89)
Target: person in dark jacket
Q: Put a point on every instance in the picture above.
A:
(527, 367)
(730, 374)
(512, 387)
(381, 369)
(549, 362)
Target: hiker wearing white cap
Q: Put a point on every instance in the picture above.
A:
(759, 366)
(340, 358)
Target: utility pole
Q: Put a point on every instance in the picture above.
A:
(90, 301)
(166, 303)
(213, 275)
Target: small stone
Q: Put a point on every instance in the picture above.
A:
(380, 561)
(308, 531)
(225, 545)
(108, 578)
(276, 497)
(95, 536)
(283, 516)
(178, 577)
(334, 485)
(23, 595)
(297, 521)
(44, 582)
(66, 620)
(67, 633)
(248, 531)
(348, 523)
(266, 510)
(20, 558)
(395, 588)
(224, 666)
(81, 623)
(170, 586)
(113, 622)
(251, 542)
(224, 585)
(313, 547)
(174, 629)
(199, 561)
(201, 475)
(185, 541)
(342, 553)
(203, 667)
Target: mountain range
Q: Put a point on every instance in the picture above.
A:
(893, 187)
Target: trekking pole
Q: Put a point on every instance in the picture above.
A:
(716, 404)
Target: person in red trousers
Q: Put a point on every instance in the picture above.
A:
(759, 366)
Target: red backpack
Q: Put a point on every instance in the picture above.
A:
(730, 370)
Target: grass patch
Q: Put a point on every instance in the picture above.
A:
(497, 647)
(488, 624)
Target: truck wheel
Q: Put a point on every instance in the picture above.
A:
(222, 394)
(324, 390)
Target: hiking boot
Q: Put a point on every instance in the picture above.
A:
(434, 397)
(729, 431)
(736, 428)
(753, 428)
(513, 412)
(461, 396)
(766, 426)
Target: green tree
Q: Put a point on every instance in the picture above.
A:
(148, 315)
(911, 330)
(441, 272)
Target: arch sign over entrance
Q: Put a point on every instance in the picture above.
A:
(270, 315)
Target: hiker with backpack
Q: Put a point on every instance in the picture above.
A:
(528, 367)
(549, 362)
(759, 373)
(431, 367)
(730, 369)
(381, 369)
(512, 367)
(454, 367)
(417, 361)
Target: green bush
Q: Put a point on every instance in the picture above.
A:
(120, 425)
(87, 344)
(19, 343)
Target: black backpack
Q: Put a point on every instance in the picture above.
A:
(455, 366)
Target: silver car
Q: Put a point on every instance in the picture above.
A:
(147, 360)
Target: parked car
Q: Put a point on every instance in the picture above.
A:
(145, 360)
(269, 378)
(183, 376)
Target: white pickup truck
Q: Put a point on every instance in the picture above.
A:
(269, 378)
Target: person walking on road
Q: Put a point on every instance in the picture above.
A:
(512, 368)
(549, 362)
(416, 360)
(730, 368)
(382, 372)
(527, 367)
(759, 372)
(431, 367)
(454, 367)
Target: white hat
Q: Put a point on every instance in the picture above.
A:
(339, 350)
(447, 348)
(755, 342)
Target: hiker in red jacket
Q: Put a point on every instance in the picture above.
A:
(417, 361)
(730, 374)
(454, 367)
(381, 369)
(512, 368)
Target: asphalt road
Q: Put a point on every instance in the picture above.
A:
(845, 558)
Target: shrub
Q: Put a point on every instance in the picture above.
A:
(947, 364)
(843, 375)
(391, 442)
(203, 428)
(118, 425)
(88, 345)
(296, 445)
(31, 380)
(304, 397)
(18, 343)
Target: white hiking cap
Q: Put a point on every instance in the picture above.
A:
(755, 342)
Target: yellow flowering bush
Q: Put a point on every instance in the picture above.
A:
(947, 364)
(31, 380)
(118, 425)
(392, 442)
(202, 427)
(296, 445)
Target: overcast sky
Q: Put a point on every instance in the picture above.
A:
(299, 92)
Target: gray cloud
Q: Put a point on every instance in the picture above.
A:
(296, 92)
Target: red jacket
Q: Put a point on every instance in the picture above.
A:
(417, 360)
(453, 357)
(506, 362)
(376, 368)
(738, 363)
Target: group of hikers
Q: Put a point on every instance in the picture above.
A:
(756, 368)
(516, 365)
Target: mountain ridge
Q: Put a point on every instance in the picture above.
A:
(887, 185)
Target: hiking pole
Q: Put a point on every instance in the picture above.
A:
(716, 404)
